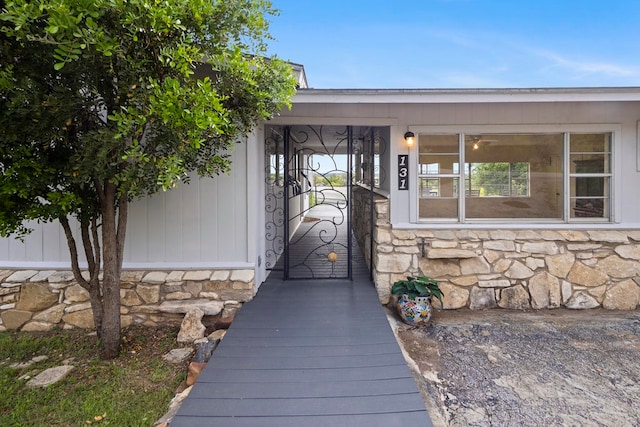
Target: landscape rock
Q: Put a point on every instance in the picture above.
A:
(50, 376)
(80, 319)
(174, 406)
(193, 372)
(210, 308)
(178, 355)
(192, 327)
(21, 276)
(149, 293)
(205, 350)
(453, 296)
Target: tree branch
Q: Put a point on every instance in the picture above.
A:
(73, 251)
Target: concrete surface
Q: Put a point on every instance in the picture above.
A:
(542, 368)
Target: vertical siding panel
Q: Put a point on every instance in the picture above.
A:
(136, 238)
(209, 198)
(52, 237)
(155, 230)
(173, 225)
(191, 221)
(226, 211)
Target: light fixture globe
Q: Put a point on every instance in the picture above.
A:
(410, 137)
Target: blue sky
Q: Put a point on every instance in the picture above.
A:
(460, 43)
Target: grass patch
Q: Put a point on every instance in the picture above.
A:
(133, 390)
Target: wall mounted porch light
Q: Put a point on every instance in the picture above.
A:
(410, 137)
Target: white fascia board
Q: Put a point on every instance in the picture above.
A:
(449, 96)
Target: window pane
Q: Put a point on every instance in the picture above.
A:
(590, 181)
(441, 144)
(438, 198)
(438, 164)
(514, 176)
(590, 197)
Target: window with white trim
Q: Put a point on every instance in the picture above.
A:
(561, 176)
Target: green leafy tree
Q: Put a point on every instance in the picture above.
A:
(106, 101)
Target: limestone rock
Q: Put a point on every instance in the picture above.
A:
(245, 276)
(149, 293)
(178, 355)
(580, 274)
(482, 298)
(500, 245)
(37, 327)
(61, 277)
(129, 297)
(574, 235)
(14, 319)
(496, 283)
(155, 277)
(617, 267)
(476, 265)
(80, 319)
(393, 263)
(178, 296)
(75, 293)
(547, 248)
(131, 276)
(453, 296)
(629, 251)
(21, 276)
(545, 291)
(36, 297)
(623, 296)
(560, 265)
(502, 235)
(609, 236)
(514, 298)
(192, 327)
(41, 276)
(51, 315)
(450, 254)
(210, 308)
(220, 275)
(174, 276)
(439, 268)
(50, 376)
(581, 300)
(519, 271)
(197, 275)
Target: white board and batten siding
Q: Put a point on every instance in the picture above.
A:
(199, 225)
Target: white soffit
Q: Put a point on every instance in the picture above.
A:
(447, 96)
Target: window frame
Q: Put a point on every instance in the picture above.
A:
(615, 130)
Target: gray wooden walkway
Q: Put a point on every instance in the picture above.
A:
(313, 352)
(307, 353)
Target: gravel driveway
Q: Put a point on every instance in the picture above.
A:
(542, 368)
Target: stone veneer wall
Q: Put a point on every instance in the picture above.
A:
(33, 300)
(514, 269)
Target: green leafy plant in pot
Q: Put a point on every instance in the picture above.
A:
(414, 298)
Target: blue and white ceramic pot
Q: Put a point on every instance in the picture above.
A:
(414, 311)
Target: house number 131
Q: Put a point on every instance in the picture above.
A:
(403, 172)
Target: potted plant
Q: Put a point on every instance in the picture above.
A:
(414, 298)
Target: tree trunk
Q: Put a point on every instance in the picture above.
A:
(113, 230)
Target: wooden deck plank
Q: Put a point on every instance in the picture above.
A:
(413, 419)
(283, 390)
(269, 407)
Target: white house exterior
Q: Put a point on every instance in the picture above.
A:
(515, 198)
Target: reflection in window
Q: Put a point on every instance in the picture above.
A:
(497, 179)
(590, 175)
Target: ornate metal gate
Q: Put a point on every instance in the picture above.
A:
(308, 193)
